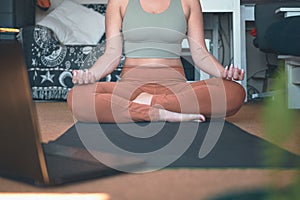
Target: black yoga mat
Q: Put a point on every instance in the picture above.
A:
(233, 147)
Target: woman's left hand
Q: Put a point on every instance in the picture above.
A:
(233, 73)
(81, 77)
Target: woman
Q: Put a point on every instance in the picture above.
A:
(153, 86)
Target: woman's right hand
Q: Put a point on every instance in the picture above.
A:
(84, 76)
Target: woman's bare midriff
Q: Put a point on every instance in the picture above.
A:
(155, 62)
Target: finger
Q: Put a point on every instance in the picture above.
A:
(224, 75)
(230, 72)
(86, 76)
(80, 77)
(236, 73)
(242, 74)
(74, 77)
(92, 78)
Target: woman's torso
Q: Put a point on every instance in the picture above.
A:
(150, 7)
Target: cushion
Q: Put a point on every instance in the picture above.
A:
(43, 4)
(284, 36)
(75, 24)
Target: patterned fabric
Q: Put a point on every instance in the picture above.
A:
(50, 63)
(101, 8)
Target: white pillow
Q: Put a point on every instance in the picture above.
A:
(75, 24)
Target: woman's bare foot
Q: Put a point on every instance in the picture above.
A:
(143, 98)
(165, 115)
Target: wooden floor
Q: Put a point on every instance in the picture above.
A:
(183, 183)
(251, 118)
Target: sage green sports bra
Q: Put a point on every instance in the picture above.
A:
(148, 35)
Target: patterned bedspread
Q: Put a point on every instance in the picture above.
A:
(50, 63)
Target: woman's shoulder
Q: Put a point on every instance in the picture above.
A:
(190, 3)
(118, 2)
(121, 4)
(117, 6)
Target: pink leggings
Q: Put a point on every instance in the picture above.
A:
(112, 101)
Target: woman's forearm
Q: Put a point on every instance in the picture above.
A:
(110, 59)
(205, 61)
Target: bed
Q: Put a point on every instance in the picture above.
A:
(50, 61)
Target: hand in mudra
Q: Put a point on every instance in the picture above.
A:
(233, 73)
(83, 77)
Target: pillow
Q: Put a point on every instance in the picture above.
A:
(43, 4)
(75, 24)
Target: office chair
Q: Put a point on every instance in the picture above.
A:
(265, 19)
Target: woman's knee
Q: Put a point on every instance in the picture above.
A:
(235, 97)
(79, 104)
(77, 98)
(239, 93)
